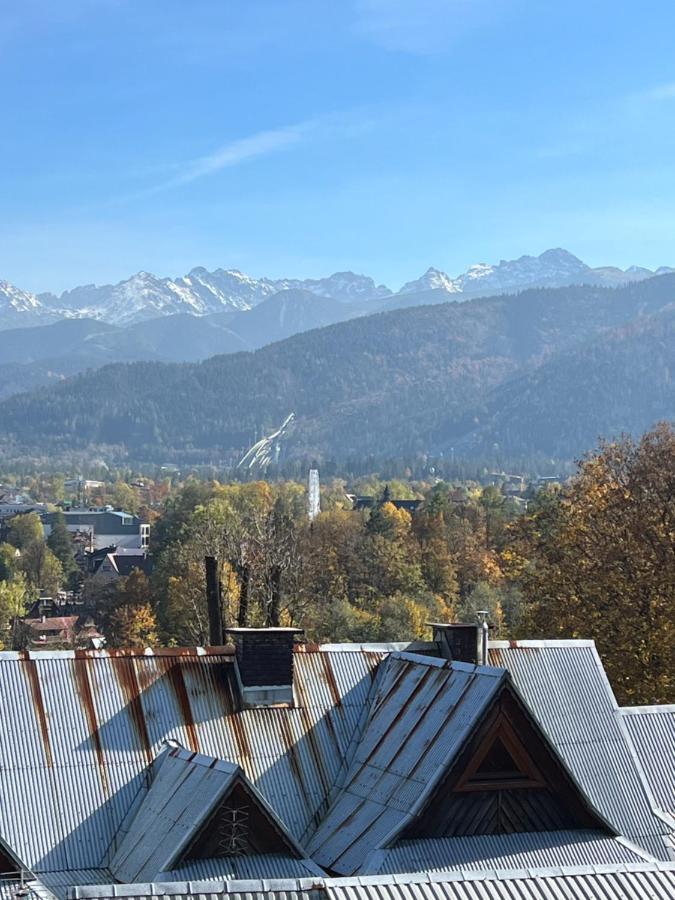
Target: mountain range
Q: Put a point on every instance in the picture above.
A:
(545, 371)
(145, 296)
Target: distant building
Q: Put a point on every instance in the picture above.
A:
(313, 495)
(120, 564)
(106, 527)
(9, 508)
(367, 502)
(549, 479)
(58, 632)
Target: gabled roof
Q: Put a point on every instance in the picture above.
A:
(566, 689)
(652, 735)
(186, 790)
(420, 713)
(425, 717)
(82, 728)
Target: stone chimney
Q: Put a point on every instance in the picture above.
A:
(264, 664)
(459, 642)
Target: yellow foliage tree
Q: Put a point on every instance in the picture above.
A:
(603, 564)
(133, 626)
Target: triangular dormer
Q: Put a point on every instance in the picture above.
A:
(198, 807)
(507, 778)
(239, 826)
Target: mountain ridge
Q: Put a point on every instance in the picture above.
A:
(145, 296)
(501, 371)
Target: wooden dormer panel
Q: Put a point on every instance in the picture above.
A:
(239, 826)
(507, 779)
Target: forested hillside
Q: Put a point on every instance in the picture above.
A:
(543, 371)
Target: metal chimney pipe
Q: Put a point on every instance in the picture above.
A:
(484, 637)
(213, 602)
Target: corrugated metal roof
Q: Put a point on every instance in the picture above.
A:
(420, 713)
(185, 790)
(11, 889)
(652, 733)
(58, 884)
(82, 727)
(612, 882)
(243, 867)
(503, 852)
(566, 689)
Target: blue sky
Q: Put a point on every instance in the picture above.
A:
(301, 137)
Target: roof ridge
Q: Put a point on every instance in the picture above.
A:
(654, 709)
(244, 886)
(548, 642)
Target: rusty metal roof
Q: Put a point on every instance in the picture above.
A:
(420, 714)
(82, 727)
(80, 730)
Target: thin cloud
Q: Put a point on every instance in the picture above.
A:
(343, 125)
(237, 152)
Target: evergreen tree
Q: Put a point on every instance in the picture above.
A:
(61, 545)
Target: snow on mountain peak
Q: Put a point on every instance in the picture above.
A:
(203, 292)
(432, 280)
(14, 299)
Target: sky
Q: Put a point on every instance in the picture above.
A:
(301, 137)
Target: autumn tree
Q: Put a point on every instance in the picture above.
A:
(602, 563)
(9, 556)
(132, 626)
(13, 599)
(126, 612)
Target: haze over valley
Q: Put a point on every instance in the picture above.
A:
(555, 355)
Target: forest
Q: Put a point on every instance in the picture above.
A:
(592, 558)
(467, 379)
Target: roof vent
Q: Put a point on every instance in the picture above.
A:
(458, 642)
(264, 666)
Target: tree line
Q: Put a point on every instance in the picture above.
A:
(593, 558)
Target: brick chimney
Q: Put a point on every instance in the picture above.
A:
(460, 642)
(264, 664)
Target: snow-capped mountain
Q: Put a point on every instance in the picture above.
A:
(13, 298)
(19, 307)
(145, 296)
(344, 286)
(553, 268)
(432, 280)
(200, 292)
